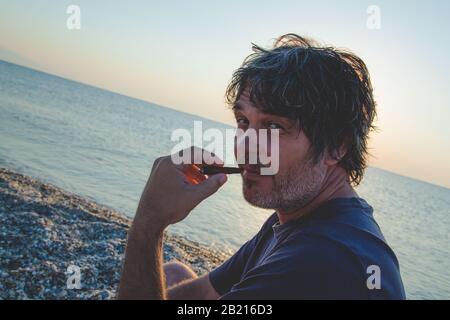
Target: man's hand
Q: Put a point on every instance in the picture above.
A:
(171, 192)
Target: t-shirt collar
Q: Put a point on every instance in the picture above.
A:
(342, 203)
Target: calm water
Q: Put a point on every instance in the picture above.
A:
(101, 145)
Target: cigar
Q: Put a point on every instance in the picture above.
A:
(213, 170)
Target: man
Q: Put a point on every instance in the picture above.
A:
(322, 242)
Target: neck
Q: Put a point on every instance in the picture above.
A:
(335, 185)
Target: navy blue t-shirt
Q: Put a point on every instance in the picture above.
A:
(327, 255)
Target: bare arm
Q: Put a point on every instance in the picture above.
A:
(194, 289)
(171, 192)
(142, 275)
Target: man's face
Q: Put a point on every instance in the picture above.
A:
(298, 180)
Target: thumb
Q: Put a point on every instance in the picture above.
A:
(210, 185)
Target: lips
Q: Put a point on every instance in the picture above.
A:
(251, 168)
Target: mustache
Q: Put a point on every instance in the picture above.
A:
(253, 165)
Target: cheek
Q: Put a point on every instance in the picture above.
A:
(287, 160)
(292, 153)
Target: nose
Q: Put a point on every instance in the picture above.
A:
(248, 146)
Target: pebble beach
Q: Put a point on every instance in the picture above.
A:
(44, 230)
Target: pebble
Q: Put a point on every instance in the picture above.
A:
(44, 230)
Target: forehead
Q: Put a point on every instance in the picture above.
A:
(244, 100)
(244, 104)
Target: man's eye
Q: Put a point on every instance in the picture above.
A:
(241, 121)
(273, 125)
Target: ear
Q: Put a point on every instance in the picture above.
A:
(333, 158)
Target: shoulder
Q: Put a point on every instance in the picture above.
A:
(338, 264)
(317, 256)
(316, 269)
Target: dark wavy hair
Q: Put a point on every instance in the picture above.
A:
(327, 91)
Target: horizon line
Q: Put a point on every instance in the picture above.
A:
(192, 114)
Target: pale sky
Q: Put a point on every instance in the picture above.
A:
(181, 54)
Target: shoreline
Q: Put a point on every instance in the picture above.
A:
(44, 230)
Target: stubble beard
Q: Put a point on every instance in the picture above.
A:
(290, 191)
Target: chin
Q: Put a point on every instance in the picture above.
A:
(258, 196)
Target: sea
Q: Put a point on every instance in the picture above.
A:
(101, 145)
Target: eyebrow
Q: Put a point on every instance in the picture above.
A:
(237, 106)
(288, 122)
